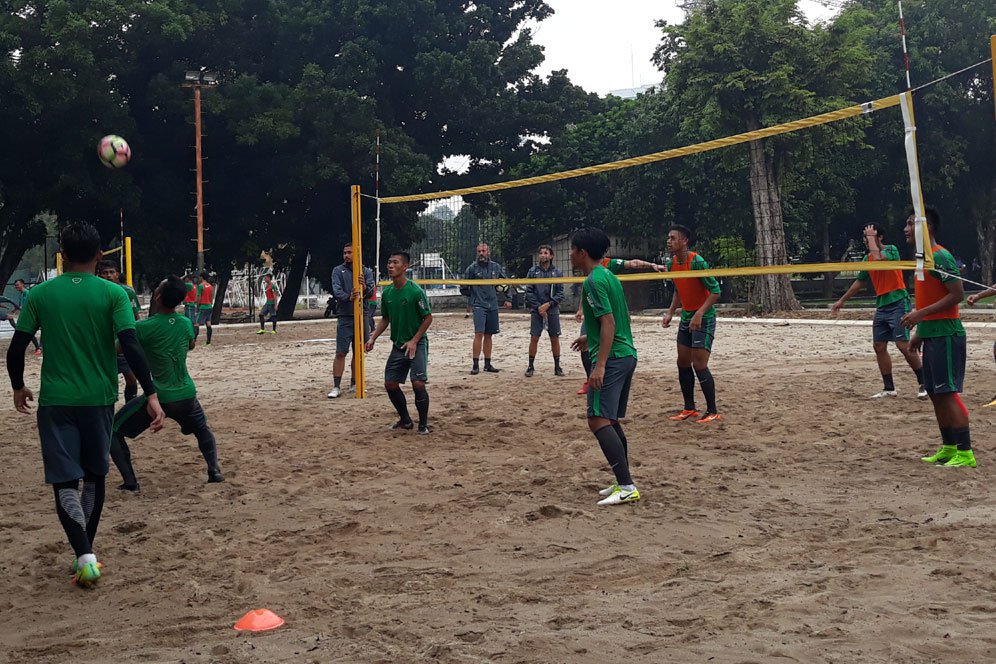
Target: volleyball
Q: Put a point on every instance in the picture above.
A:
(113, 151)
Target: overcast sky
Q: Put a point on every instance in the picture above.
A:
(607, 44)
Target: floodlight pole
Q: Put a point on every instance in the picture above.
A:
(200, 179)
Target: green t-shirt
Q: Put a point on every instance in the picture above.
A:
(80, 316)
(136, 307)
(166, 339)
(614, 265)
(602, 294)
(406, 308)
(943, 327)
(889, 253)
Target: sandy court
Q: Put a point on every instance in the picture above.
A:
(802, 528)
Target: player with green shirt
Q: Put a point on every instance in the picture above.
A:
(892, 302)
(610, 341)
(615, 266)
(940, 332)
(109, 270)
(404, 307)
(972, 299)
(166, 337)
(81, 316)
(22, 300)
(697, 326)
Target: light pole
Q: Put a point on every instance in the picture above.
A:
(197, 80)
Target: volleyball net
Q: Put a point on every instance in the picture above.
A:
(512, 216)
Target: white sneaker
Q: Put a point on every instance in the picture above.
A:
(620, 496)
(921, 393)
(884, 393)
(609, 490)
(334, 394)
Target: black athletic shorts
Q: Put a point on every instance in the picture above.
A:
(399, 365)
(133, 418)
(944, 364)
(75, 441)
(611, 400)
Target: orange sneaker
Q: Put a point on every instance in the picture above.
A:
(684, 415)
(584, 388)
(709, 417)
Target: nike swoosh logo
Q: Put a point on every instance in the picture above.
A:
(937, 387)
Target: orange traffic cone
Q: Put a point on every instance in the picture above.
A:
(259, 620)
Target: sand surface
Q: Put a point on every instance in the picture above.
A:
(802, 528)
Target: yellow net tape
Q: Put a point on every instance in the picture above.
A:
(803, 268)
(767, 132)
(108, 252)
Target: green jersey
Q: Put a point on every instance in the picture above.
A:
(602, 294)
(405, 308)
(80, 315)
(136, 308)
(614, 265)
(166, 339)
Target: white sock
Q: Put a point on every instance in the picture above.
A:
(86, 559)
(628, 487)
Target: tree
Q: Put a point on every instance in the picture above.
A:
(740, 65)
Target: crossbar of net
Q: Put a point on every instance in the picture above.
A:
(802, 268)
(698, 148)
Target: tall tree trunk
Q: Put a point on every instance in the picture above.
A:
(15, 241)
(288, 299)
(219, 295)
(773, 292)
(985, 230)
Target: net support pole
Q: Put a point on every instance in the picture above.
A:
(129, 276)
(58, 262)
(359, 322)
(992, 47)
(923, 257)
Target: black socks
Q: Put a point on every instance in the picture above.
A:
(686, 378)
(889, 384)
(615, 454)
(422, 406)
(400, 404)
(708, 386)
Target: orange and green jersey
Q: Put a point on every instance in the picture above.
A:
(270, 295)
(889, 284)
(946, 322)
(693, 293)
(191, 297)
(205, 298)
(613, 265)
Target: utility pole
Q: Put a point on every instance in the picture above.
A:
(197, 80)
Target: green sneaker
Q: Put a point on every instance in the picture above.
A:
(962, 458)
(943, 454)
(609, 490)
(88, 575)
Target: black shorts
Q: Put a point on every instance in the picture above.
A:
(485, 321)
(203, 317)
(700, 338)
(75, 441)
(611, 400)
(133, 418)
(345, 330)
(944, 364)
(268, 309)
(551, 324)
(399, 365)
(887, 325)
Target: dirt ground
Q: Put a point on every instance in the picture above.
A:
(801, 528)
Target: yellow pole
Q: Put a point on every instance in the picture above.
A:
(58, 263)
(992, 47)
(129, 278)
(359, 329)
